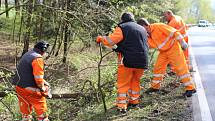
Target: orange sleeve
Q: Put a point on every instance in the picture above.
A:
(173, 24)
(38, 71)
(117, 35)
(113, 38)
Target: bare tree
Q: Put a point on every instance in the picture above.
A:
(6, 7)
(66, 34)
(17, 5)
(28, 26)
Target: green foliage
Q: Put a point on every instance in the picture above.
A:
(7, 24)
(11, 102)
(194, 10)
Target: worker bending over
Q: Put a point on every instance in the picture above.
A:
(170, 43)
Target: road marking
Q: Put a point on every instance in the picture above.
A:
(203, 104)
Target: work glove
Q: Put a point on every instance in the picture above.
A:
(99, 39)
(46, 83)
(184, 45)
(44, 88)
(46, 91)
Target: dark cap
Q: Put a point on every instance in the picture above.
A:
(42, 46)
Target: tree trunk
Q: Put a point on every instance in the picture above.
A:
(0, 3)
(17, 5)
(28, 27)
(6, 7)
(66, 33)
(65, 43)
(41, 27)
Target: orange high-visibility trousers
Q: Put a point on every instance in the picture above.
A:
(186, 55)
(128, 86)
(29, 99)
(175, 56)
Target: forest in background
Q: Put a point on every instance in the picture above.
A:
(76, 65)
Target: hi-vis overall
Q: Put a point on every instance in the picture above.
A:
(167, 40)
(128, 77)
(178, 23)
(28, 78)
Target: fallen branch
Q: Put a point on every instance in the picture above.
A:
(54, 96)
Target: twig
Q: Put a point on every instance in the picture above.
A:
(5, 69)
(151, 57)
(99, 76)
(13, 115)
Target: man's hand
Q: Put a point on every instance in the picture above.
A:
(46, 83)
(184, 45)
(99, 39)
(46, 91)
(44, 88)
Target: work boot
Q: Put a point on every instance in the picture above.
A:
(122, 110)
(192, 70)
(150, 90)
(189, 93)
(133, 105)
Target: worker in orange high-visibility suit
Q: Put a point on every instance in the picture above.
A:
(31, 88)
(170, 43)
(178, 23)
(129, 40)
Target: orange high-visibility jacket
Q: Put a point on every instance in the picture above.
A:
(178, 23)
(113, 38)
(163, 36)
(38, 71)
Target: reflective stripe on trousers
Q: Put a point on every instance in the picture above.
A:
(43, 117)
(156, 81)
(188, 83)
(133, 92)
(122, 101)
(133, 98)
(158, 75)
(122, 95)
(184, 76)
(26, 117)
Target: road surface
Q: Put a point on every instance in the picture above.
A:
(202, 41)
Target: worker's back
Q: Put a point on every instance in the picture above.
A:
(24, 74)
(134, 45)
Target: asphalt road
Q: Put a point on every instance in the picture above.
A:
(203, 48)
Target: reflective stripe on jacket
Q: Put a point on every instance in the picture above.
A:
(163, 36)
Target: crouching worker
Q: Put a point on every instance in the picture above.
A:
(170, 44)
(129, 41)
(31, 88)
